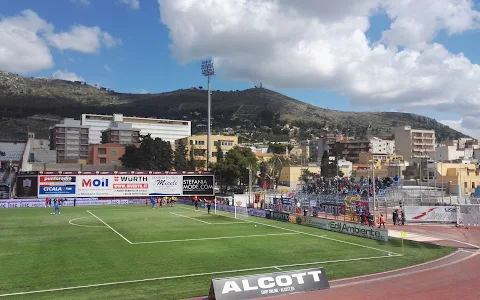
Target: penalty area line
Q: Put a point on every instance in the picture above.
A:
(311, 234)
(189, 275)
(190, 218)
(110, 227)
(216, 238)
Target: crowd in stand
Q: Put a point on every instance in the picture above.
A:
(362, 187)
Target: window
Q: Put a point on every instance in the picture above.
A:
(473, 185)
(191, 142)
(201, 143)
(113, 162)
(466, 184)
(103, 160)
(214, 154)
(114, 152)
(227, 143)
(102, 151)
(215, 143)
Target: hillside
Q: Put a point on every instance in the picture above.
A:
(34, 104)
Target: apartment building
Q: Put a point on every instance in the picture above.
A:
(198, 144)
(106, 154)
(315, 148)
(350, 150)
(381, 146)
(70, 140)
(413, 143)
(167, 130)
(121, 133)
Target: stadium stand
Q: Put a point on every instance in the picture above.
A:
(11, 151)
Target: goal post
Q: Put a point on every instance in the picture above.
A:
(468, 215)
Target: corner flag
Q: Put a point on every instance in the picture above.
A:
(403, 234)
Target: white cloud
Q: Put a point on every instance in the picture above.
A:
(83, 39)
(84, 2)
(65, 75)
(134, 4)
(323, 45)
(22, 50)
(465, 126)
(25, 41)
(142, 91)
(107, 68)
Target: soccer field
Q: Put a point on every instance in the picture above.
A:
(135, 252)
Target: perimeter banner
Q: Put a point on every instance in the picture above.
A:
(431, 214)
(268, 285)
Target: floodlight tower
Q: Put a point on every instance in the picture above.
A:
(208, 70)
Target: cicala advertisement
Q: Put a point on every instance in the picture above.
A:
(56, 186)
(198, 185)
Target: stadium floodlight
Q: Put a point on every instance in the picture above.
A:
(208, 70)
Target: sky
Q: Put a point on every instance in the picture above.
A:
(419, 56)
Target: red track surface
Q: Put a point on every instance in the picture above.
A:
(456, 276)
(453, 277)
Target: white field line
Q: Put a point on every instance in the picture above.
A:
(190, 218)
(74, 224)
(215, 238)
(228, 223)
(311, 234)
(188, 275)
(110, 228)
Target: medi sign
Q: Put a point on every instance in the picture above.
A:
(268, 285)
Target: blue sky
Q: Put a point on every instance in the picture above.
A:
(143, 61)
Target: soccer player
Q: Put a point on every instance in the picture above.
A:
(160, 202)
(46, 202)
(152, 202)
(57, 207)
(196, 204)
(209, 206)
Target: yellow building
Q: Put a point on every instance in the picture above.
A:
(263, 157)
(463, 178)
(380, 160)
(198, 144)
(290, 175)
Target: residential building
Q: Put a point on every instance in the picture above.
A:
(290, 175)
(39, 151)
(449, 153)
(167, 130)
(345, 166)
(350, 150)
(462, 143)
(381, 146)
(106, 154)
(380, 160)
(70, 140)
(198, 144)
(312, 150)
(121, 133)
(458, 179)
(412, 143)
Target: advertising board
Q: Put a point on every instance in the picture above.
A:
(344, 227)
(268, 285)
(161, 185)
(198, 185)
(27, 186)
(56, 186)
(431, 214)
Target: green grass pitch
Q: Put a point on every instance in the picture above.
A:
(135, 252)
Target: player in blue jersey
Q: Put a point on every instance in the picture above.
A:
(152, 201)
(57, 208)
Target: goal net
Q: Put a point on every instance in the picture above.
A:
(236, 205)
(468, 215)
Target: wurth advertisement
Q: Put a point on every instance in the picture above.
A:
(431, 214)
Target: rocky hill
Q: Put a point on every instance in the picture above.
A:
(34, 104)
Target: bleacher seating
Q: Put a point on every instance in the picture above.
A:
(13, 151)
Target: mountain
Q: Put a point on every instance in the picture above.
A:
(34, 104)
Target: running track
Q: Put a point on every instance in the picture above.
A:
(456, 276)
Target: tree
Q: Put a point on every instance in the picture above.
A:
(306, 176)
(234, 168)
(219, 152)
(276, 165)
(130, 158)
(277, 148)
(329, 168)
(192, 165)
(180, 157)
(153, 154)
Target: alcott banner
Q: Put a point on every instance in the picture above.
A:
(268, 285)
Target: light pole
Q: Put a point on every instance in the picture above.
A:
(208, 70)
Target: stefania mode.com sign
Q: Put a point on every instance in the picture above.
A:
(268, 285)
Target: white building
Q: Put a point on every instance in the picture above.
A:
(167, 130)
(382, 146)
(449, 153)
